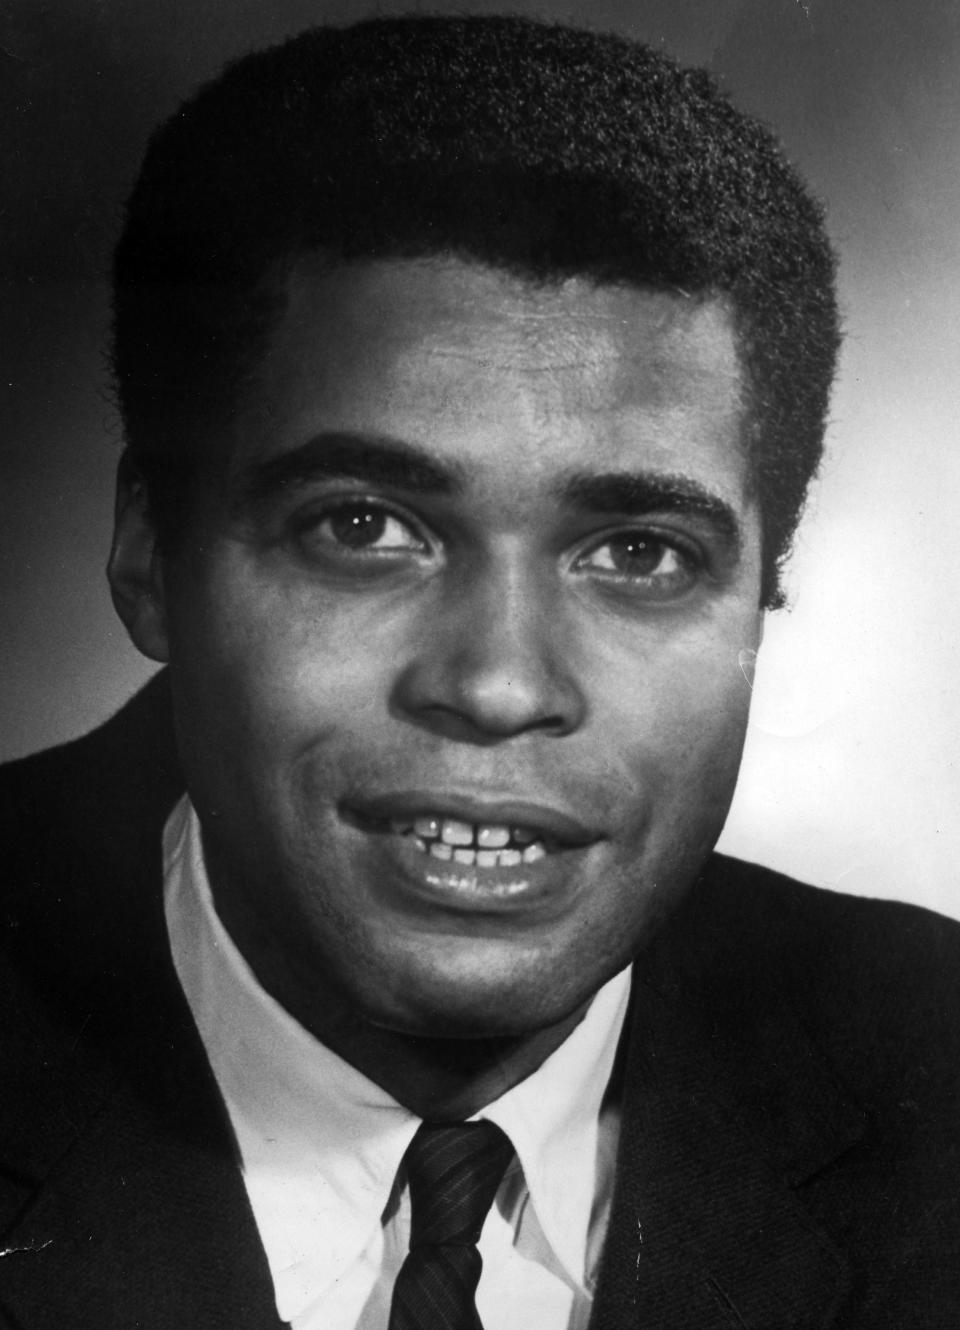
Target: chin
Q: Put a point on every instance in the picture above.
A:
(481, 1007)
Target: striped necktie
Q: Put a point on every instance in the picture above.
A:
(453, 1173)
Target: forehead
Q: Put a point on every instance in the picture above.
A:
(454, 356)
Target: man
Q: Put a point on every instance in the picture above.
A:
(473, 373)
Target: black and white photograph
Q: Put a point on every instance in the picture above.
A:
(481, 806)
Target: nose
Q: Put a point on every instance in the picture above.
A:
(495, 660)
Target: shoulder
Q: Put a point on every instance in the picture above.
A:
(129, 756)
(80, 831)
(876, 983)
(63, 809)
(791, 916)
(806, 931)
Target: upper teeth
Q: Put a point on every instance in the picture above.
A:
(488, 844)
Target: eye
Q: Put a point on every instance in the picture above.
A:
(642, 563)
(357, 528)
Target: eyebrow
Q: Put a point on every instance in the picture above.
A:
(374, 460)
(381, 460)
(638, 494)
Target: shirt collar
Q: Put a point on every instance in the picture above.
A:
(320, 1143)
(553, 1120)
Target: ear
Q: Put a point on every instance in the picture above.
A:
(134, 569)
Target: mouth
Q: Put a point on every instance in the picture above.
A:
(474, 846)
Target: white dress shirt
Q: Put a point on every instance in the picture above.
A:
(320, 1144)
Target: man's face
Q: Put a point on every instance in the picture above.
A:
(454, 637)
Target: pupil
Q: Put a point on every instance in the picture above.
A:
(357, 527)
(636, 556)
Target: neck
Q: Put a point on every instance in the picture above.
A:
(442, 1080)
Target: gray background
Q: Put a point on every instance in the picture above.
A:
(851, 776)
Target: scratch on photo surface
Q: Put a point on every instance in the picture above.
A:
(30, 1247)
(640, 1239)
(726, 1302)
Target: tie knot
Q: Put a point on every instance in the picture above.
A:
(453, 1173)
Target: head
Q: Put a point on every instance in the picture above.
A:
(541, 151)
(473, 372)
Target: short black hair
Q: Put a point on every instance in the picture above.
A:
(544, 150)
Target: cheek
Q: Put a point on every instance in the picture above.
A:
(676, 703)
(267, 656)
(680, 732)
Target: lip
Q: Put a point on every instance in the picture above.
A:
(556, 827)
(409, 881)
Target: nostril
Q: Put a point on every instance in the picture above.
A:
(483, 687)
(470, 723)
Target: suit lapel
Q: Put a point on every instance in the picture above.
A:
(728, 1108)
(115, 1148)
(144, 1221)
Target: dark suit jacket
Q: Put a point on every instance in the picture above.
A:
(789, 1154)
